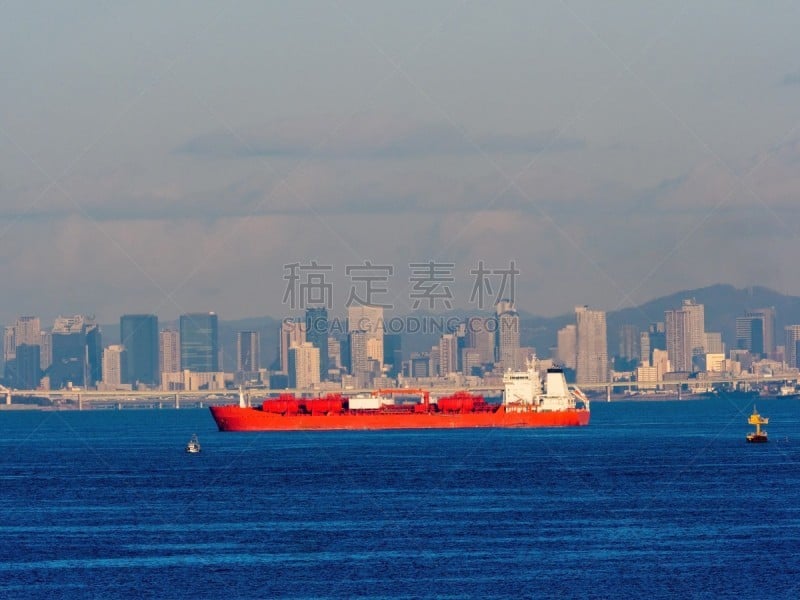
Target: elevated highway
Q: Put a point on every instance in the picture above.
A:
(80, 399)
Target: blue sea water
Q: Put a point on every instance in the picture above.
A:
(660, 499)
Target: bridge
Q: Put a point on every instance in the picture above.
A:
(80, 399)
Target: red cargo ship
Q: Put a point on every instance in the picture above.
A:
(525, 404)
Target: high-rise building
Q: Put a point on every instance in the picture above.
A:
(114, 365)
(592, 345)
(568, 346)
(368, 319)
(345, 355)
(714, 344)
(359, 360)
(9, 344)
(433, 357)
(508, 336)
(629, 342)
(679, 347)
(46, 350)
(696, 326)
(334, 353)
(292, 333)
(767, 315)
(448, 354)
(303, 366)
(755, 331)
(480, 333)
(9, 354)
(25, 366)
(393, 352)
(199, 338)
(28, 370)
(248, 351)
(169, 351)
(94, 354)
(655, 338)
(28, 330)
(420, 364)
(139, 336)
(317, 334)
(69, 352)
(77, 352)
(750, 334)
(792, 345)
(685, 332)
(470, 361)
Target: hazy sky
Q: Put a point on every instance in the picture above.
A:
(173, 157)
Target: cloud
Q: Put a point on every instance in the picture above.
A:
(368, 138)
(791, 79)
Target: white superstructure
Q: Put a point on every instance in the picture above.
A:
(524, 390)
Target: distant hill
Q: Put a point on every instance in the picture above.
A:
(723, 303)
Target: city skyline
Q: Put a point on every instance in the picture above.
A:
(165, 160)
(367, 355)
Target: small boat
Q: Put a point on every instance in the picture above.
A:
(193, 446)
(758, 436)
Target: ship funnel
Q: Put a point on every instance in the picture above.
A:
(556, 383)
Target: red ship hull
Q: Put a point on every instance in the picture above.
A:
(235, 418)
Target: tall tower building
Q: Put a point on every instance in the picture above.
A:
(470, 361)
(9, 344)
(568, 346)
(303, 366)
(767, 316)
(792, 345)
(359, 360)
(139, 336)
(93, 366)
(28, 369)
(317, 334)
(393, 352)
(433, 356)
(199, 333)
(592, 355)
(70, 352)
(169, 351)
(27, 361)
(46, 350)
(679, 348)
(481, 336)
(334, 353)
(248, 351)
(629, 342)
(655, 338)
(420, 365)
(696, 326)
(114, 365)
(714, 344)
(292, 333)
(28, 330)
(755, 331)
(685, 333)
(508, 343)
(448, 354)
(368, 319)
(750, 334)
